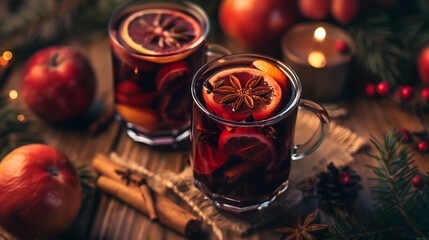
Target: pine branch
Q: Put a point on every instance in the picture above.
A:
(388, 41)
(400, 209)
(32, 27)
(379, 49)
(394, 183)
(364, 225)
(422, 206)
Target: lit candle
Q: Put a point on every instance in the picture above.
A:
(316, 58)
(309, 48)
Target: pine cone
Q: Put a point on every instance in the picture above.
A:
(338, 188)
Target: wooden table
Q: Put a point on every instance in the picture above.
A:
(366, 117)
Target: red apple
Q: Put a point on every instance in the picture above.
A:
(255, 23)
(423, 65)
(344, 11)
(314, 9)
(40, 192)
(58, 83)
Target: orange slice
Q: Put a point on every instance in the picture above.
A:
(248, 143)
(262, 109)
(159, 31)
(273, 71)
(142, 117)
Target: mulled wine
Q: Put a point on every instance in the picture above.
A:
(156, 49)
(244, 114)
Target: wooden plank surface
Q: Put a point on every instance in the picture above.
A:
(366, 117)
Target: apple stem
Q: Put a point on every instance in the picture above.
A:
(53, 172)
(54, 60)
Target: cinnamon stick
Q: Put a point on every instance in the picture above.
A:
(169, 213)
(147, 195)
(106, 167)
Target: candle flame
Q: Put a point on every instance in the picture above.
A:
(320, 34)
(317, 59)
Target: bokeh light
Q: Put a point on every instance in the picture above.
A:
(3, 62)
(13, 94)
(7, 55)
(20, 117)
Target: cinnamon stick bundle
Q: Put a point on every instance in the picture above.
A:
(169, 213)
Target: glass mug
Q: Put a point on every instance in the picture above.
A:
(244, 113)
(156, 49)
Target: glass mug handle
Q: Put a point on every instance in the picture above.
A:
(216, 50)
(302, 150)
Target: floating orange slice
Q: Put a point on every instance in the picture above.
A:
(159, 31)
(248, 143)
(273, 71)
(262, 109)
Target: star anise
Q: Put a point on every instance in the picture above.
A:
(165, 31)
(247, 95)
(125, 175)
(302, 230)
(210, 87)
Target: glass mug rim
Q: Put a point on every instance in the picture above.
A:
(177, 5)
(291, 105)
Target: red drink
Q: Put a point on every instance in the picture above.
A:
(243, 127)
(156, 49)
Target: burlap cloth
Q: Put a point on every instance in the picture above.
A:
(338, 147)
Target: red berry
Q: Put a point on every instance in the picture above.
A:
(425, 94)
(341, 46)
(370, 90)
(407, 92)
(383, 88)
(418, 181)
(344, 177)
(406, 135)
(423, 146)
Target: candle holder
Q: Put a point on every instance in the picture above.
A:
(321, 65)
